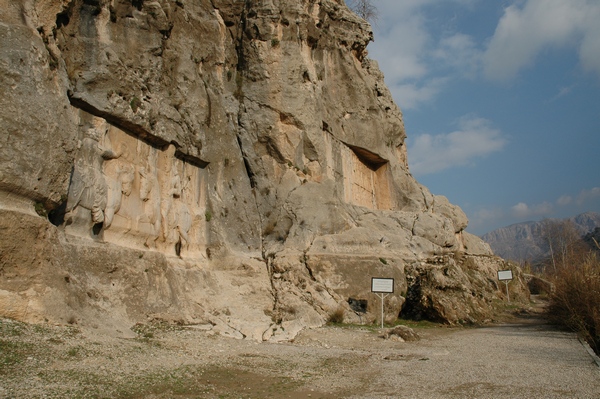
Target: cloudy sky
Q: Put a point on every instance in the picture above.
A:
(501, 102)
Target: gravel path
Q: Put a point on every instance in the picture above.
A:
(526, 359)
(507, 361)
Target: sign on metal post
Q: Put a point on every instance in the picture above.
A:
(506, 276)
(382, 287)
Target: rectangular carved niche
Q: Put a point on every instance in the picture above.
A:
(366, 179)
(130, 193)
(365, 175)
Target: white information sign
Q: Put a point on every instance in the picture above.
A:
(505, 275)
(382, 285)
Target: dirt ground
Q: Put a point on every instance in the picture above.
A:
(168, 361)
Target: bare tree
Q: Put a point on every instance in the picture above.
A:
(365, 9)
(563, 241)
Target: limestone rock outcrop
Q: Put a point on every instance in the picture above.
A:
(237, 164)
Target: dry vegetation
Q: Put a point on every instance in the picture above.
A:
(574, 268)
(576, 299)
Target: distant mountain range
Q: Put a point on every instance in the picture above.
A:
(524, 241)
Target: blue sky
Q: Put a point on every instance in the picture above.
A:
(501, 102)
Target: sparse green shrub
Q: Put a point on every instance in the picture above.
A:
(274, 42)
(73, 351)
(383, 261)
(40, 209)
(135, 103)
(208, 216)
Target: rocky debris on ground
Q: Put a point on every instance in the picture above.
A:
(526, 358)
(401, 333)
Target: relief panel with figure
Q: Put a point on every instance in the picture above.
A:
(128, 192)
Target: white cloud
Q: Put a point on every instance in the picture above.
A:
(460, 52)
(486, 219)
(522, 210)
(586, 196)
(475, 138)
(564, 200)
(400, 46)
(416, 63)
(483, 218)
(391, 9)
(563, 91)
(589, 51)
(413, 49)
(523, 32)
(566, 206)
(411, 95)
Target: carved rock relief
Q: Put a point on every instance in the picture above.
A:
(128, 192)
(365, 177)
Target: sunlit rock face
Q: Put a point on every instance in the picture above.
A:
(235, 164)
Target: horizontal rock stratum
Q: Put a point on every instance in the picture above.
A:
(235, 164)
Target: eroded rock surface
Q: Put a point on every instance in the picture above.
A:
(237, 164)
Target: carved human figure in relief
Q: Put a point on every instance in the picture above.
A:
(184, 216)
(175, 214)
(117, 187)
(150, 195)
(168, 192)
(178, 214)
(88, 188)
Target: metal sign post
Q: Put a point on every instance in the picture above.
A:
(506, 276)
(382, 287)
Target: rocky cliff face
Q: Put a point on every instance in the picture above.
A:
(235, 163)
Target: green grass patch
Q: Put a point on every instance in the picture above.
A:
(73, 351)
(420, 324)
(189, 381)
(9, 328)
(13, 353)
